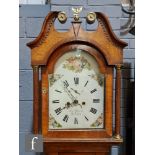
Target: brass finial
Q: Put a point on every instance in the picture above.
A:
(91, 17)
(76, 12)
(62, 17)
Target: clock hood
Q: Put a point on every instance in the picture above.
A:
(102, 39)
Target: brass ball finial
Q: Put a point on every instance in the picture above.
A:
(62, 17)
(91, 17)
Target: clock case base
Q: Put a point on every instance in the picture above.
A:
(79, 146)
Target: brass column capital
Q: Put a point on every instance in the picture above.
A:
(118, 66)
(117, 136)
(35, 68)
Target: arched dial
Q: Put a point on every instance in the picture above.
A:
(76, 93)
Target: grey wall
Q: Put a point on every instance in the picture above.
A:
(30, 22)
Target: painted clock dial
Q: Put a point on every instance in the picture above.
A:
(76, 92)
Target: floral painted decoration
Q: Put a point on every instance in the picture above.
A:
(98, 122)
(99, 78)
(77, 64)
(53, 78)
(53, 122)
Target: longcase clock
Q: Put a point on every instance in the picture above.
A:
(72, 105)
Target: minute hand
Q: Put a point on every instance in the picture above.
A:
(69, 94)
(75, 91)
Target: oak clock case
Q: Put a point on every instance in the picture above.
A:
(72, 99)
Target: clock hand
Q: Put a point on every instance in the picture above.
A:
(75, 103)
(80, 105)
(67, 105)
(74, 100)
(69, 93)
(75, 91)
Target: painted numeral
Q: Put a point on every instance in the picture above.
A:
(93, 110)
(58, 91)
(66, 84)
(94, 90)
(86, 84)
(96, 100)
(76, 80)
(58, 111)
(65, 119)
(86, 118)
(75, 121)
(55, 101)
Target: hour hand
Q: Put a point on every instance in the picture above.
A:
(75, 91)
(67, 105)
(75, 103)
